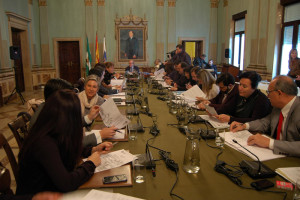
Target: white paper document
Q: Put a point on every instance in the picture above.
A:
(111, 115)
(211, 110)
(289, 173)
(215, 122)
(114, 159)
(120, 134)
(118, 97)
(194, 92)
(96, 195)
(241, 137)
(114, 82)
(159, 74)
(165, 85)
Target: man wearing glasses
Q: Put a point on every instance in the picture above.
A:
(283, 124)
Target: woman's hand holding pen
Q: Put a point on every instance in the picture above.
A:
(108, 132)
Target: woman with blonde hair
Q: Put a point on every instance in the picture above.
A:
(207, 83)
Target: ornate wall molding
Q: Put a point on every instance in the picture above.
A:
(171, 3)
(160, 2)
(88, 2)
(131, 20)
(214, 3)
(101, 2)
(42, 2)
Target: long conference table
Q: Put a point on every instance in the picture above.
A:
(207, 183)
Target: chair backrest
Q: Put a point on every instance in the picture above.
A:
(20, 128)
(11, 157)
(5, 180)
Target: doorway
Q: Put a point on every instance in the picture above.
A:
(69, 60)
(18, 66)
(193, 48)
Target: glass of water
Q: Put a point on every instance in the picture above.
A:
(138, 171)
(219, 140)
(132, 131)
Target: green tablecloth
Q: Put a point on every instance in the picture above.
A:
(207, 184)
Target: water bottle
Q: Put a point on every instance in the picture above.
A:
(191, 161)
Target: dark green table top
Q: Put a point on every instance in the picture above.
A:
(207, 184)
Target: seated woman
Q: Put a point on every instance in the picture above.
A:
(48, 160)
(188, 75)
(208, 84)
(89, 97)
(251, 104)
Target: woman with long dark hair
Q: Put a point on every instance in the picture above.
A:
(294, 66)
(50, 154)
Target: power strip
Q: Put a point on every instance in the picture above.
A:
(171, 164)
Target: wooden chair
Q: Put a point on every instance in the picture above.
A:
(20, 127)
(234, 71)
(11, 157)
(5, 180)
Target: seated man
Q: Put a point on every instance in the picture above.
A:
(229, 91)
(283, 124)
(99, 70)
(174, 76)
(200, 62)
(93, 139)
(132, 68)
(251, 104)
(213, 67)
(180, 83)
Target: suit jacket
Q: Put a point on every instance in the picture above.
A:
(290, 143)
(135, 68)
(224, 106)
(132, 47)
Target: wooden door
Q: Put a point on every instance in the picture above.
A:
(69, 60)
(19, 76)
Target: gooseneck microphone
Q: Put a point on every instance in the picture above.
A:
(255, 169)
(259, 163)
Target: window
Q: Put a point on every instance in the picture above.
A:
(238, 40)
(290, 35)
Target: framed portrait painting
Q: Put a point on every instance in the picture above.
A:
(131, 43)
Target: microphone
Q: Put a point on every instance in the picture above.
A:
(255, 169)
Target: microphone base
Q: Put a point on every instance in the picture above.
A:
(251, 168)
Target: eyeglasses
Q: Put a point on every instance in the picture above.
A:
(269, 91)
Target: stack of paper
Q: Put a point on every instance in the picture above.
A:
(215, 122)
(289, 173)
(114, 159)
(96, 195)
(241, 137)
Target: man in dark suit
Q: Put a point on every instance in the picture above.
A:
(283, 124)
(181, 55)
(132, 46)
(132, 68)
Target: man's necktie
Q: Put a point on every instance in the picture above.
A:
(279, 126)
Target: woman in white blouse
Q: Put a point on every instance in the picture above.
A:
(207, 83)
